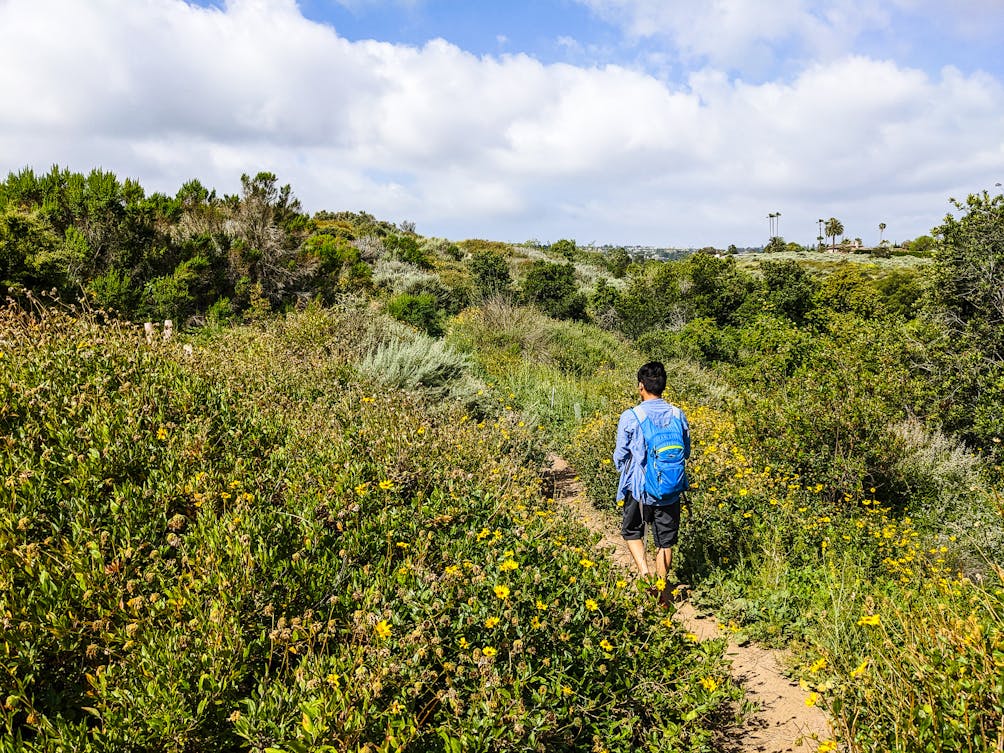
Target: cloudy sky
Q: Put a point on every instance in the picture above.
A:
(661, 122)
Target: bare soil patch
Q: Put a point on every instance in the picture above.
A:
(782, 722)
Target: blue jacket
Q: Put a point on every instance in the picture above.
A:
(629, 454)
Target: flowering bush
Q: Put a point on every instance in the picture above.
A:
(248, 549)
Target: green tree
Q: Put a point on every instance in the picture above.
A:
(339, 265)
(603, 304)
(618, 261)
(969, 309)
(717, 287)
(565, 248)
(654, 300)
(969, 261)
(267, 228)
(26, 242)
(552, 288)
(490, 270)
(790, 291)
(921, 245)
(902, 292)
(834, 227)
(849, 290)
(775, 245)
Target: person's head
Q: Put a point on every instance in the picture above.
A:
(652, 377)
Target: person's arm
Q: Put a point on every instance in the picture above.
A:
(622, 450)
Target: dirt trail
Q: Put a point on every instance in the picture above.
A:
(783, 723)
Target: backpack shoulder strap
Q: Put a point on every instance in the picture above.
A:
(642, 417)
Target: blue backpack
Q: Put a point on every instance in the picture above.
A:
(665, 464)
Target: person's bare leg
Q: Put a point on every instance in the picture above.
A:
(637, 549)
(663, 562)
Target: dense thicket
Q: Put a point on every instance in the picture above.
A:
(159, 256)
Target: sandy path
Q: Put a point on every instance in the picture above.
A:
(783, 723)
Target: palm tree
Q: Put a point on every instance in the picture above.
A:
(834, 227)
(881, 231)
(774, 223)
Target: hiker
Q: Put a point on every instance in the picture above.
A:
(651, 484)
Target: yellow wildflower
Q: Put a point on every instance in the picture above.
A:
(709, 683)
(383, 629)
(491, 622)
(812, 700)
(591, 605)
(870, 619)
(508, 565)
(502, 592)
(606, 645)
(386, 485)
(860, 669)
(489, 651)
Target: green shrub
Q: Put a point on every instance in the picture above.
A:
(490, 271)
(406, 248)
(422, 364)
(420, 311)
(113, 291)
(700, 340)
(441, 247)
(473, 245)
(552, 288)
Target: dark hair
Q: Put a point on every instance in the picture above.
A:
(653, 377)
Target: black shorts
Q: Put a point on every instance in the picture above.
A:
(664, 520)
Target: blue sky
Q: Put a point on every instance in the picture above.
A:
(662, 122)
(924, 35)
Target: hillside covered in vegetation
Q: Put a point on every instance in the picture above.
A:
(314, 519)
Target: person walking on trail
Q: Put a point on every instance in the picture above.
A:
(653, 478)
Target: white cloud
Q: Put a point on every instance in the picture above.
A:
(746, 35)
(503, 147)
